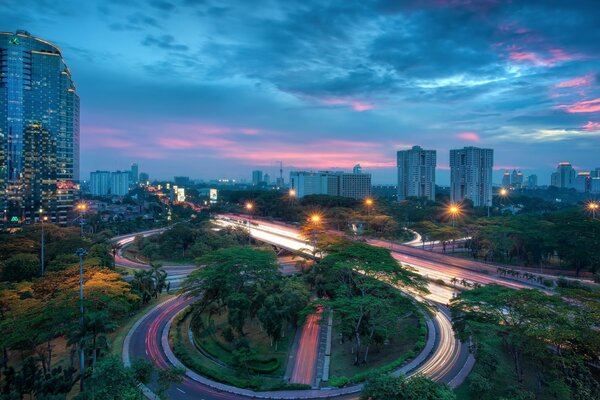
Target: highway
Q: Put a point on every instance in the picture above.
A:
(147, 338)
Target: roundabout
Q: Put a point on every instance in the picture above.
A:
(443, 358)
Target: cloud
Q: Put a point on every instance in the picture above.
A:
(591, 126)
(356, 105)
(588, 106)
(585, 80)
(166, 42)
(470, 136)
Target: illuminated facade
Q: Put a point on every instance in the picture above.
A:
(39, 131)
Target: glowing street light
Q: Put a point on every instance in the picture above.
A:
(454, 211)
(292, 193)
(593, 207)
(503, 192)
(315, 220)
(249, 207)
(81, 207)
(369, 203)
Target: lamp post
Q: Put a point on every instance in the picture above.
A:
(81, 207)
(291, 195)
(315, 219)
(369, 203)
(42, 219)
(454, 211)
(249, 207)
(593, 207)
(81, 253)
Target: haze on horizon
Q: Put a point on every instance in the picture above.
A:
(216, 89)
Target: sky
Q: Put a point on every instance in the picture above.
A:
(216, 89)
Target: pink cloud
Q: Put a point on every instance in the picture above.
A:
(576, 82)
(470, 136)
(191, 143)
(552, 57)
(356, 105)
(591, 126)
(588, 106)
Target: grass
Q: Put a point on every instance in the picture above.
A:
(269, 360)
(410, 338)
(134, 255)
(193, 359)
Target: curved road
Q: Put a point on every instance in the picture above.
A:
(145, 339)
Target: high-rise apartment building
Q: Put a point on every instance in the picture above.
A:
(471, 175)
(416, 173)
(144, 177)
(39, 131)
(564, 177)
(100, 183)
(134, 175)
(257, 177)
(119, 183)
(357, 186)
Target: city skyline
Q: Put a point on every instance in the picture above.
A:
(518, 78)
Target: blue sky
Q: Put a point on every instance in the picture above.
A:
(217, 88)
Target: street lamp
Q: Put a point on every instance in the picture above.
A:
(593, 207)
(42, 219)
(454, 211)
(81, 253)
(81, 207)
(369, 203)
(315, 220)
(249, 207)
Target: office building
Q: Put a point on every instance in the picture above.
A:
(595, 185)
(100, 183)
(119, 183)
(506, 179)
(39, 131)
(532, 181)
(385, 191)
(134, 174)
(582, 182)
(144, 177)
(564, 177)
(257, 177)
(595, 173)
(516, 179)
(357, 186)
(267, 179)
(471, 175)
(416, 173)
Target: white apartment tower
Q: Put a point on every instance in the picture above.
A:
(416, 173)
(471, 175)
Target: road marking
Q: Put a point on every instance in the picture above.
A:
(180, 390)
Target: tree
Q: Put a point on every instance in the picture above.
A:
(21, 267)
(359, 282)
(386, 387)
(167, 377)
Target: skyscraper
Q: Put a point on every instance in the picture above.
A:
(257, 177)
(516, 179)
(39, 131)
(506, 179)
(471, 175)
(532, 181)
(564, 177)
(134, 174)
(416, 173)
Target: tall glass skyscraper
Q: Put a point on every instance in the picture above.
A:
(39, 131)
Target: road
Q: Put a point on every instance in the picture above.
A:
(146, 340)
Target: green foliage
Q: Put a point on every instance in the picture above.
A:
(21, 267)
(542, 342)
(385, 387)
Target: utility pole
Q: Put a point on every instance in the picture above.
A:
(81, 253)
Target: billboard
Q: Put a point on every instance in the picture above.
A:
(213, 196)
